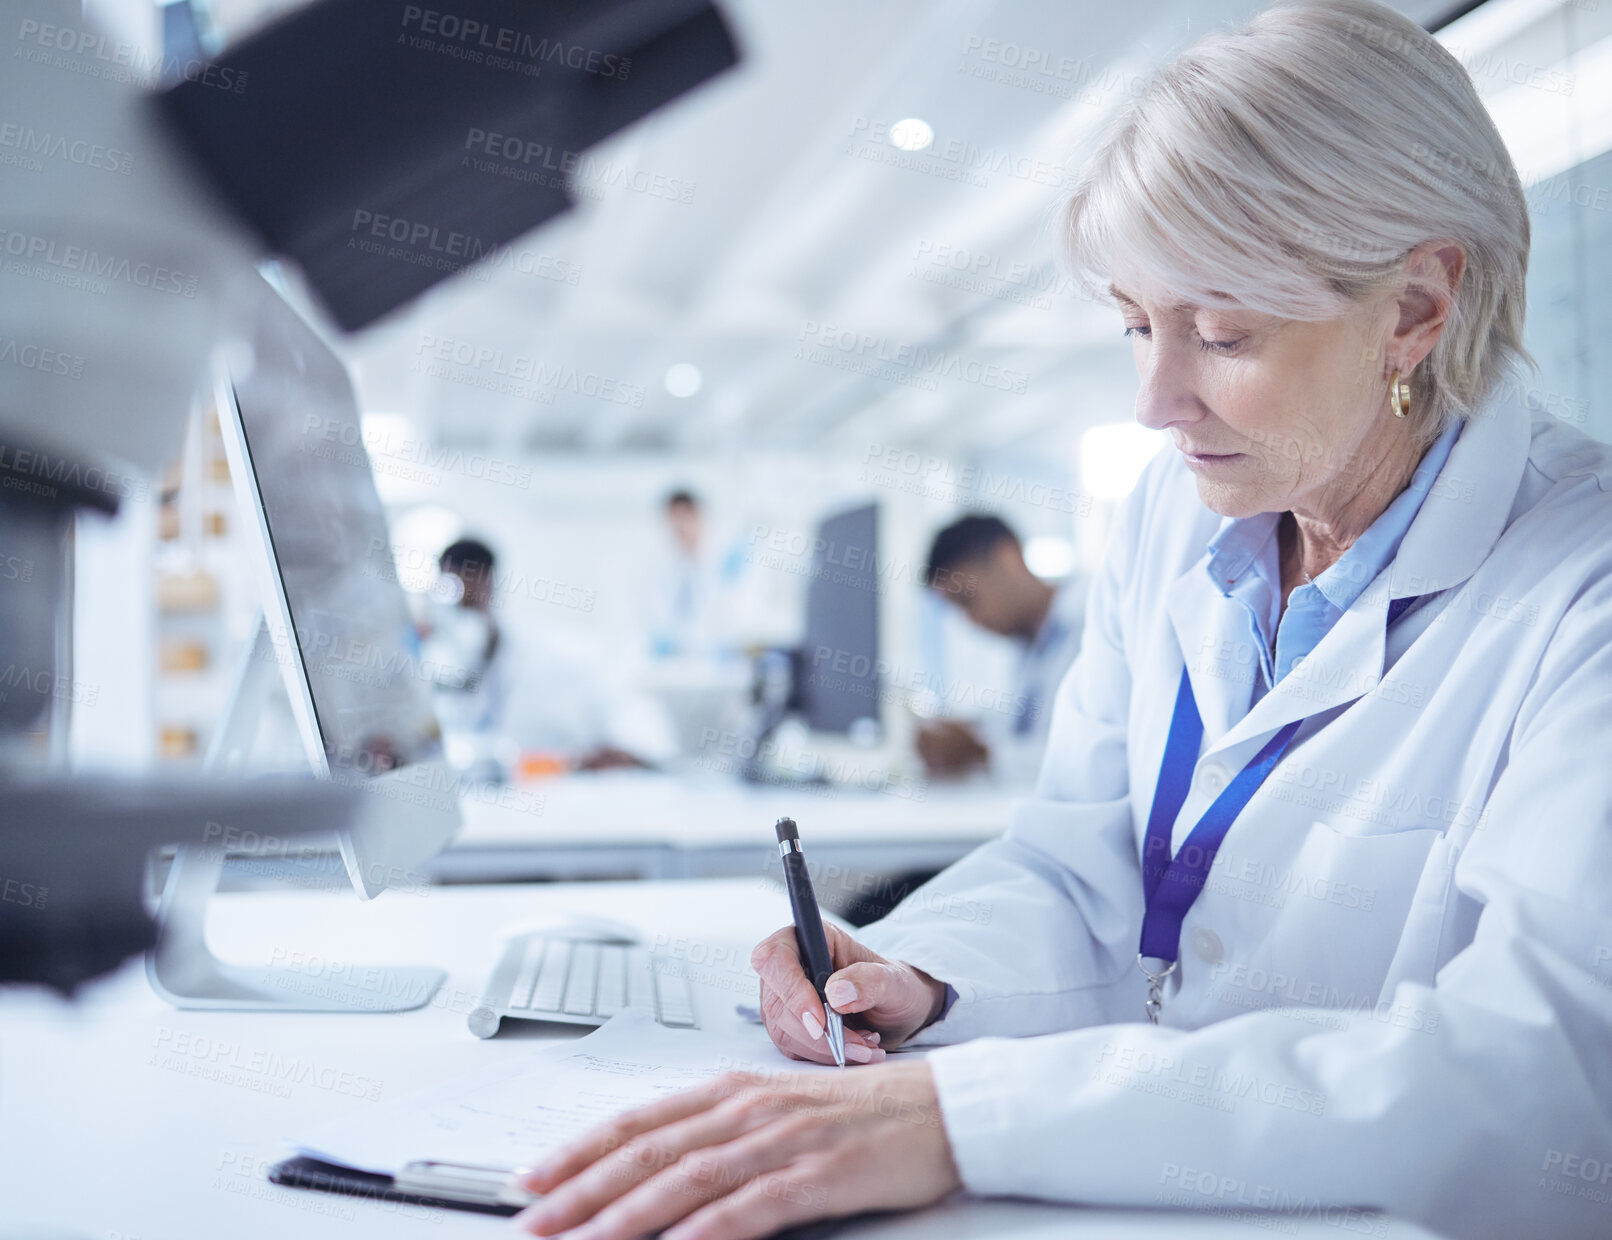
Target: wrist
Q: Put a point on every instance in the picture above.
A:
(937, 997)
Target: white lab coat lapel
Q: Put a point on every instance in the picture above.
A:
(1345, 664)
(1215, 643)
(1466, 511)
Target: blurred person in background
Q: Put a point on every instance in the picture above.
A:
(546, 699)
(692, 586)
(977, 565)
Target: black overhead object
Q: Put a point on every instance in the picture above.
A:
(386, 145)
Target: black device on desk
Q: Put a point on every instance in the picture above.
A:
(446, 1185)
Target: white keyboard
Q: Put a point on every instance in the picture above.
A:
(581, 982)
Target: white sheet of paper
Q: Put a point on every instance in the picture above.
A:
(508, 1116)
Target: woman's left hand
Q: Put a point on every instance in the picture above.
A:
(748, 1153)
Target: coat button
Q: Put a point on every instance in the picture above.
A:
(1211, 778)
(1208, 946)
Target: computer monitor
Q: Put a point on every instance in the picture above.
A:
(838, 677)
(337, 625)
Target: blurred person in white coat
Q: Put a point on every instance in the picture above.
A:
(691, 601)
(977, 565)
(511, 689)
(1313, 907)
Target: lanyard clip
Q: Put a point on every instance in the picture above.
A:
(1155, 982)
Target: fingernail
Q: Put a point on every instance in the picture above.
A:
(840, 991)
(872, 1038)
(814, 1027)
(538, 1172)
(862, 1054)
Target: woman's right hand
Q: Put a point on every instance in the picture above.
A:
(886, 1000)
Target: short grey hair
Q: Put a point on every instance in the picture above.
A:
(1292, 164)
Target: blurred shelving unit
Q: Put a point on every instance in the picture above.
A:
(205, 600)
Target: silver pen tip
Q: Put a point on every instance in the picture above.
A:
(835, 1026)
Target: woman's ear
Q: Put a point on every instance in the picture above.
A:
(1433, 273)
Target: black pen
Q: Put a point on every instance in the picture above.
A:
(809, 937)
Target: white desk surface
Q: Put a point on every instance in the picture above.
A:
(123, 1119)
(620, 807)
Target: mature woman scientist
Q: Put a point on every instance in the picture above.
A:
(1352, 645)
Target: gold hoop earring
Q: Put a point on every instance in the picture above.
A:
(1399, 395)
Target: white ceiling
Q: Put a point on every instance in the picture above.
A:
(799, 217)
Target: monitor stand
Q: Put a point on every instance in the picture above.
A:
(182, 968)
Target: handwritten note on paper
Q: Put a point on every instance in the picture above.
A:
(508, 1117)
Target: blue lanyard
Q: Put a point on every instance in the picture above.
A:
(1170, 885)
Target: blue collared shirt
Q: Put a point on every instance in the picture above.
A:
(1244, 562)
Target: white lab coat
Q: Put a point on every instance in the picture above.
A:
(1395, 990)
(1016, 756)
(690, 604)
(554, 689)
